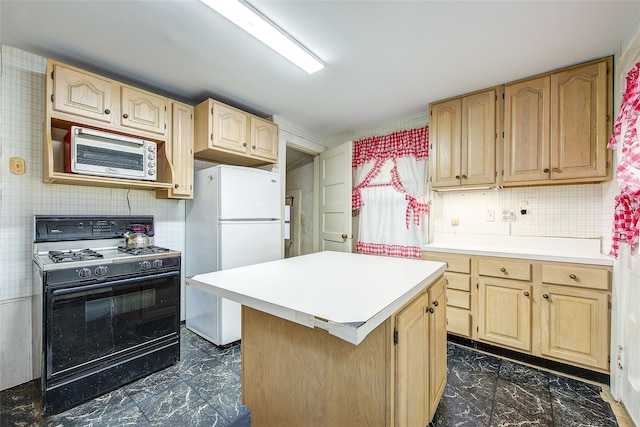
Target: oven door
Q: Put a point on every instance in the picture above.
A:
(92, 325)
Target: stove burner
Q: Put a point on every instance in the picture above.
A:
(147, 250)
(69, 256)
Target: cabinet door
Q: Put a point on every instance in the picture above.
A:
(143, 110)
(478, 140)
(579, 130)
(574, 325)
(264, 139)
(412, 401)
(82, 94)
(229, 129)
(526, 130)
(504, 315)
(437, 345)
(444, 133)
(182, 149)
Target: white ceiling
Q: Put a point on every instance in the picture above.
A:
(385, 60)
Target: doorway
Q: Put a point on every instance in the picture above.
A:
(299, 207)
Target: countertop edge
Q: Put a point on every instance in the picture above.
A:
(593, 259)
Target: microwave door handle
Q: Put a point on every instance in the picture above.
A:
(110, 136)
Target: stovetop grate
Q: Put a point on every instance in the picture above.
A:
(74, 255)
(146, 250)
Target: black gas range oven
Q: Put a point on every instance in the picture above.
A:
(104, 314)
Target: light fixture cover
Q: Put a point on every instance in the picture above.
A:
(253, 22)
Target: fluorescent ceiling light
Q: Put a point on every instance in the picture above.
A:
(254, 23)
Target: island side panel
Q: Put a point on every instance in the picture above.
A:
(295, 375)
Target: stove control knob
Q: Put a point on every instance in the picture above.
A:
(101, 270)
(84, 273)
(157, 263)
(146, 265)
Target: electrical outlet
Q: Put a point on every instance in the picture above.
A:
(455, 221)
(508, 215)
(491, 215)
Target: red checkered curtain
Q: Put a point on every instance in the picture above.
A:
(626, 222)
(389, 185)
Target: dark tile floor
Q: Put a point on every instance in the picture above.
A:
(203, 389)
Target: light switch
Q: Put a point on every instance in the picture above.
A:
(17, 165)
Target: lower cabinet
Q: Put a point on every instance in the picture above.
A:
(553, 310)
(421, 357)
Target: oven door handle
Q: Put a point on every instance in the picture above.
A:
(98, 286)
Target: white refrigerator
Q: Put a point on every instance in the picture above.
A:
(232, 221)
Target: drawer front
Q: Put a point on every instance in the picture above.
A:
(459, 321)
(459, 281)
(583, 277)
(517, 270)
(458, 299)
(455, 262)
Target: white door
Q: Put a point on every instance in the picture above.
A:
(335, 198)
(625, 366)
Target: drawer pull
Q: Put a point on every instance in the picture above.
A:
(526, 294)
(545, 296)
(572, 276)
(504, 270)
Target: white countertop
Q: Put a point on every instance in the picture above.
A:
(347, 294)
(559, 249)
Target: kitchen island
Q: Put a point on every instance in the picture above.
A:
(335, 338)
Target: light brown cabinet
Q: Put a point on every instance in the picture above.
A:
(553, 310)
(459, 299)
(421, 358)
(181, 152)
(463, 135)
(556, 126)
(78, 97)
(228, 135)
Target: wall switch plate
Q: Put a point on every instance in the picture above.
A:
(491, 215)
(455, 221)
(508, 215)
(17, 165)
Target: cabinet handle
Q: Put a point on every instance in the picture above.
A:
(125, 115)
(504, 270)
(464, 176)
(253, 146)
(176, 185)
(545, 296)
(107, 111)
(545, 170)
(555, 170)
(526, 294)
(244, 145)
(457, 176)
(435, 303)
(430, 310)
(572, 276)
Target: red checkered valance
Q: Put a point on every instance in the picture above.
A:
(413, 142)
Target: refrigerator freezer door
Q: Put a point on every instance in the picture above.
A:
(247, 193)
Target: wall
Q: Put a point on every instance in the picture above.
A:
(23, 196)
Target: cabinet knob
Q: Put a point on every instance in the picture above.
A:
(430, 310)
(464, 176)
(176, 185)
(545, 296)
(125, 115)
(526, 294)
(457, 176)
(253, 146)
(572, 276)
(504, 270)
(107, 111)
(545, 170)
(435, 303)
(555, 170)
(244, 144)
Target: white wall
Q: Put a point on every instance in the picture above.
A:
(23, 196)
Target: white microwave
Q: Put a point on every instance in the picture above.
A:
(94, 152)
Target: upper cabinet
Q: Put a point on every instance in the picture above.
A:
(557, 125)
(547, 129)
(463, 141)
(228, 135)
(78, 97)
